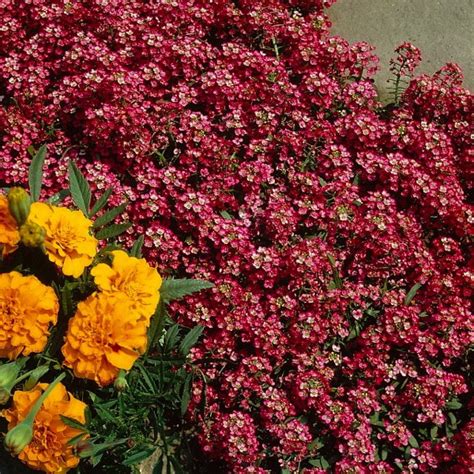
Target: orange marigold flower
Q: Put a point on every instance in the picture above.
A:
(104, 336)
(132, 277)
(27, 308)
(68, 242)
(9, 234)
(48, 451)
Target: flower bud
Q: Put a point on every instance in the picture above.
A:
(8, 374)
(32, 234)
(18, 438)
(121, 383)
(19, 204)
(84, 448)
(5, 395)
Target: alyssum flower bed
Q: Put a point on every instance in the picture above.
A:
(254, 153)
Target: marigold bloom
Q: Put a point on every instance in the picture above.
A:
(9, 234)
(27, 308)
(48, 451)
(104, 336)
(132, 277)
(68, 242)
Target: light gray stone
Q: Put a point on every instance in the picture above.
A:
(442, 29)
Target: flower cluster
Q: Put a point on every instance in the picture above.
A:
(27, 309)
(49, 450)
(254, 153)
(109, 330)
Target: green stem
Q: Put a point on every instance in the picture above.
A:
(36, 407)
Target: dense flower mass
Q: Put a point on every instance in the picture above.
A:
(27, 310)
(254, 153)
(49, 450)
(105, 335)
(67, 240)
(132, 277)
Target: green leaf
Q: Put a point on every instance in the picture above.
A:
(411, 294)
(66, 300)
(101, 202)
(322, 182)
(136, 250)
(109, 216)
(73, 423)
(320, 462)
(434, 432)
(225, 215)
(112, 231)
(59, 197)
(454, 405)
(190, 339)
(35, 376)
(35, 175)
(140, 456)
(156, 326)
(171, 337)
(80, 190)
(172, 289)
(337, 280)
(76, 439)
(413, 442)
(186, 394)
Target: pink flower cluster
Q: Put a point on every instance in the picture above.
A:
(254, 153)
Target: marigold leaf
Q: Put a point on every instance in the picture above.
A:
(77, 425)
(411, 294)
(174, 289)
(140, 456)
(35, 175)
(80, 190)
(171, 338)
(190, 339)
(136, 250)
(35, 376)
(101, 202)
(76, 439)
(185, 399)
(112, 231)
(109, 216)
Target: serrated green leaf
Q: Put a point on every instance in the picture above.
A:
(101, 202)
(171, 338)
(80, 190)
(113, 230)
(190, 339)
(136, 250)
(35, 174)
(35, 376)
(59, 197)
(173, 289)
(411, 294)
(186, 397)
(109, 216)
(73, 423)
